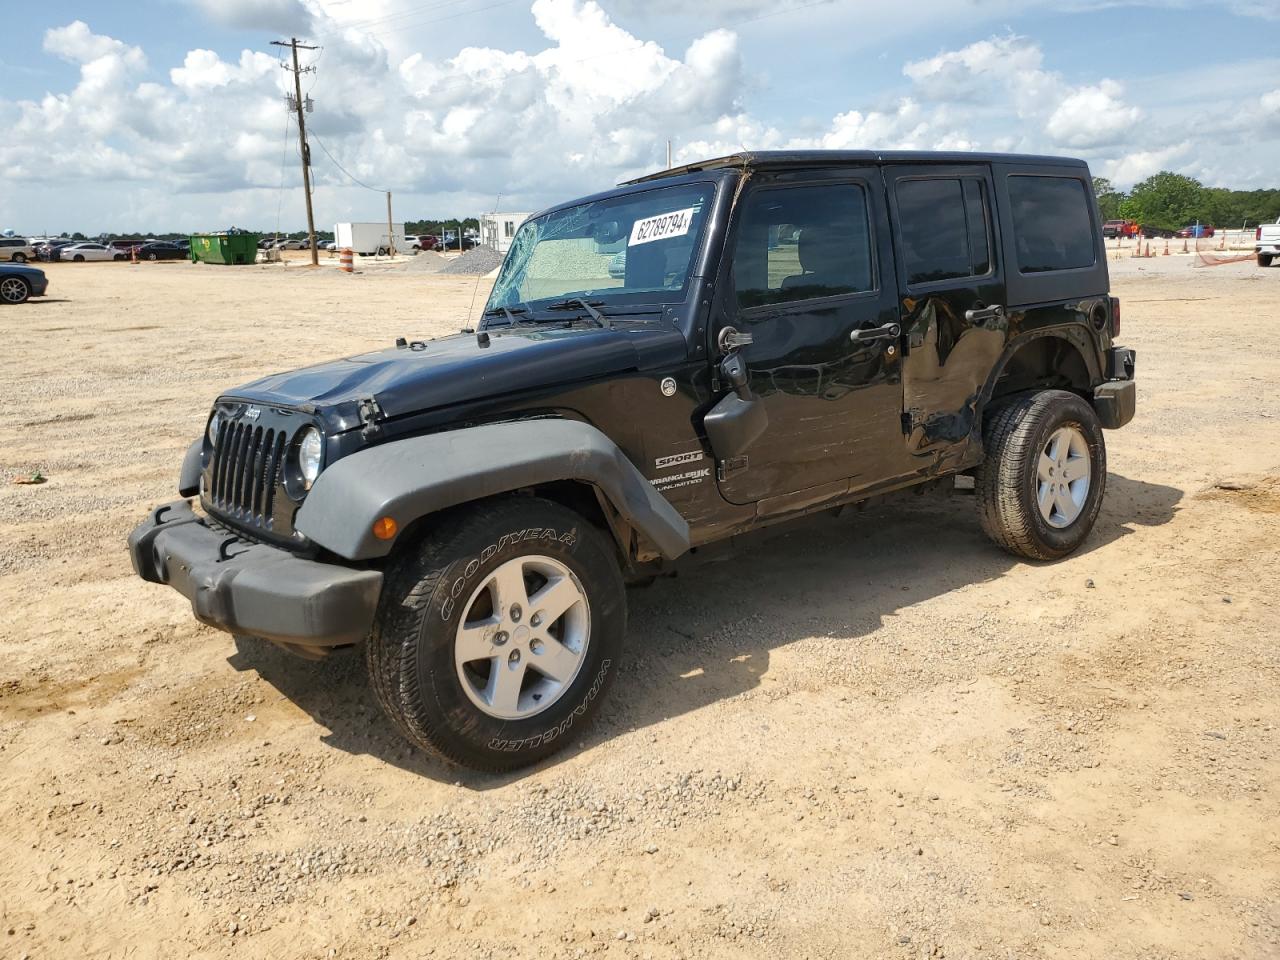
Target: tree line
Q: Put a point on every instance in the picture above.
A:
(1171, 201)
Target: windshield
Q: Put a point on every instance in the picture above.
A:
(631, 248)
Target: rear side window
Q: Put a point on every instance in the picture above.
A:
(1051, 225)
(945, 228)
(803, 243)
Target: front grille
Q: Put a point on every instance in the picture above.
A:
(245, 473)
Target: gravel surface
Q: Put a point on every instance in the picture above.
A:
(867, 737)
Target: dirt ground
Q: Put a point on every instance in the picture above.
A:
(874, 737)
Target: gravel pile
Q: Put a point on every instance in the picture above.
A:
(428, 261)
(475, 262)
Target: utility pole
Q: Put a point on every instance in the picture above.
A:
(391, 231)
(302, 138)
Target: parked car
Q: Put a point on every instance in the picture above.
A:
(423, 242)
(1266, 243)
(618, 265)
(78, 252)
(1114, 229)
(17, 249)
(125, 246)
(19, 282)
(470, 508)
(1194, 230)
(50, 250)
(162, 250)
(1155, 233)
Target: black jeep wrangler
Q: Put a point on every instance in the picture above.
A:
(690, 356)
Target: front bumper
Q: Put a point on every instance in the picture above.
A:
(253, 588)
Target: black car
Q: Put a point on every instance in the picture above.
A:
(470, 508)
(48, 251)
(162, 250)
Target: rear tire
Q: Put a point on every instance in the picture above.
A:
(14, 290)
(1264, 259)
(19, 258)
(448, 634)
(1040, 487)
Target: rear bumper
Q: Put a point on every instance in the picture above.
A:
(253, 588)
(1269, 249)
(1115, 400)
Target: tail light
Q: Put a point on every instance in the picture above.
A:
(1257, 234)
(1115, 317)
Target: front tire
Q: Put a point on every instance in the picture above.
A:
(78, 258)
(19, 258)
(499, 634)
(1040, 487)
(14, 290)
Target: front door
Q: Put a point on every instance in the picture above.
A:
(811, 280)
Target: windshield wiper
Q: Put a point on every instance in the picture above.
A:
(574, 302)
(509, 313)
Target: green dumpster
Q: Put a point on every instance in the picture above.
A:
(224, 247)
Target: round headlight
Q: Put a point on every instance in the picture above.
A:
(215, 424)
(310, 448)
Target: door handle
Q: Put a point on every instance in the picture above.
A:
(889, 331)
(993, 312)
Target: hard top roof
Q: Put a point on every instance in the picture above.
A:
(814, 158)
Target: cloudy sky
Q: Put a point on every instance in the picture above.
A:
(169, 114)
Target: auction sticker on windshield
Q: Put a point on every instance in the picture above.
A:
(664, 225)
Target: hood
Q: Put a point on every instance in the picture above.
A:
(457, 369)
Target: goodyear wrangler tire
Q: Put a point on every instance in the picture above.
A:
(497, 636)
(1040, 486)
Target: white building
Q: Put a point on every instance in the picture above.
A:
(497, 229)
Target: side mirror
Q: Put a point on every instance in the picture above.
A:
(739, 419)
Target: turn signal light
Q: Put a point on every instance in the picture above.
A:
(384, 528)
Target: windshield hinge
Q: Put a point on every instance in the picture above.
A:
(370, 414)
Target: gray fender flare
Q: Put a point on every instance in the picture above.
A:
(411, 478)
(192, 466)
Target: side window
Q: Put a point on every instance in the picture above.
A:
(800, 243)
(1051, 225)
(945, 226)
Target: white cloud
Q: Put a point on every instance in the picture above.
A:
(1092, 116)
(77, 43)
(1137, 165)
(280, 16)
(586, 105)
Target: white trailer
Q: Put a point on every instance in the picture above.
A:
(367, 238)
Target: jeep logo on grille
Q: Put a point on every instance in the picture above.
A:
(252, 413)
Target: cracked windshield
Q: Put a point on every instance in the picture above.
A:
(633, 248)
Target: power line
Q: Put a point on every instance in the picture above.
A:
(350, 176)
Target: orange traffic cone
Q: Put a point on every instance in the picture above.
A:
(1184, 246)
(133, 254)
(1166, 248)
(1222, 244)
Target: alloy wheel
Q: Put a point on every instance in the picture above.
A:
(1063, 475)
(523, 637)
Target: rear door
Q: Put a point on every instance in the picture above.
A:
(951, 289)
